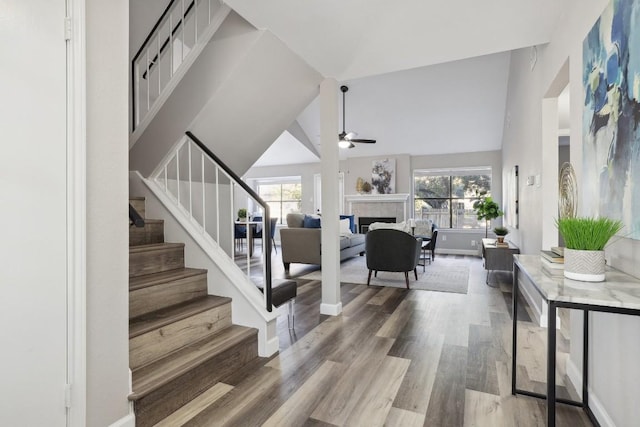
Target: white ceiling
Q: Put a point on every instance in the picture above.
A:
(286, 150)
(424, 76)
(348, 39)
(447, 108)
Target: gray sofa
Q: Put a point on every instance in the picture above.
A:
(302, 245)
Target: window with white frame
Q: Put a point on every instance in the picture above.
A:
(282, 194)
(446, 196)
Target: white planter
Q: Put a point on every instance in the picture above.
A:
(586, 266)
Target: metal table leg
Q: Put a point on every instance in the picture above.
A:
(551, 365)
(514, 316)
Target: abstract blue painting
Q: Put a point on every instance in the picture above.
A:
(611, 116)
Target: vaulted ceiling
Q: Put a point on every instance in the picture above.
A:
(424, 76)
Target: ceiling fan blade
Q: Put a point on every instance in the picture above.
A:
(364, 141)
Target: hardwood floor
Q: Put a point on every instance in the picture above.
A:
(394, 357)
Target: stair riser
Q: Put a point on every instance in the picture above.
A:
(149, 234)
(152, 298)
(162, 402)
(155, 261)
(138, 205)
(156, 344)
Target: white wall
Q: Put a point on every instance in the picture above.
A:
(143, 15)
(360, 167)
(522, 147)
(33, 184)
(107, 221)
(613, 375)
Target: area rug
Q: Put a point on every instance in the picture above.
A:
(441, 275)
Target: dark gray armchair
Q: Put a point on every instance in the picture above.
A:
(392, 250)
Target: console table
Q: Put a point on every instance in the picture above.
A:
(497, 257)
(619, 293)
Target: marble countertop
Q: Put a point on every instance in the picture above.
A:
(618, 290)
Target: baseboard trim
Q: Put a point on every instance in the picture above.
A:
(457, 251)
(575, 376)
(331, 309)
(272, 346)
(126, 421)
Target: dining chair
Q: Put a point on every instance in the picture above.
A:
(258, 234)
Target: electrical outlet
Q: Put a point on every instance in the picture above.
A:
(473, 243)
(444, 237)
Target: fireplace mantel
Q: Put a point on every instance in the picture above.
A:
(378, 198)
(390, 198)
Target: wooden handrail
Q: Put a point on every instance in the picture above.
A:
(267, 217)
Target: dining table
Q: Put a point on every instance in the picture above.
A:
(252, 228)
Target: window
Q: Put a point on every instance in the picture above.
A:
(283, 195)
(446, 196)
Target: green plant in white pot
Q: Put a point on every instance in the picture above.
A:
(585, 239)
(500, 232)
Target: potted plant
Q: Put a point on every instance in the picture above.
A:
(585, 239)
(486, 209)
(242, 213)
(500, 232)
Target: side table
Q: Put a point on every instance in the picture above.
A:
(497, 257)
(619, 293)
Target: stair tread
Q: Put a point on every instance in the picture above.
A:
(136, 198)
(159, 318)
(140, 282)
(153, 376)
(154, 247)
(152, 221)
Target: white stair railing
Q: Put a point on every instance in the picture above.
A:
(209, 194)
(173, 42)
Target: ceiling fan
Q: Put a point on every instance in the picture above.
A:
(346, 140)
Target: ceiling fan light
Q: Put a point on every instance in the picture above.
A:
(343, 143)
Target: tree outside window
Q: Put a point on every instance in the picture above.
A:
(447, 197)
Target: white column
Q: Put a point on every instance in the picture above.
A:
(331, 303)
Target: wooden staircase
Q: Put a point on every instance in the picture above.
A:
(181, 340)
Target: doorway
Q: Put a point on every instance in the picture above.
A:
(36, 236)
(554, 125)
(564, 134)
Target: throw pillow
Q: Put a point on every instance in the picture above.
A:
(423, 227)
(311, 222)
(345, 226)
(352, 222)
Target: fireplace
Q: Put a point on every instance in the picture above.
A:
(393, 207)
(365, 221)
